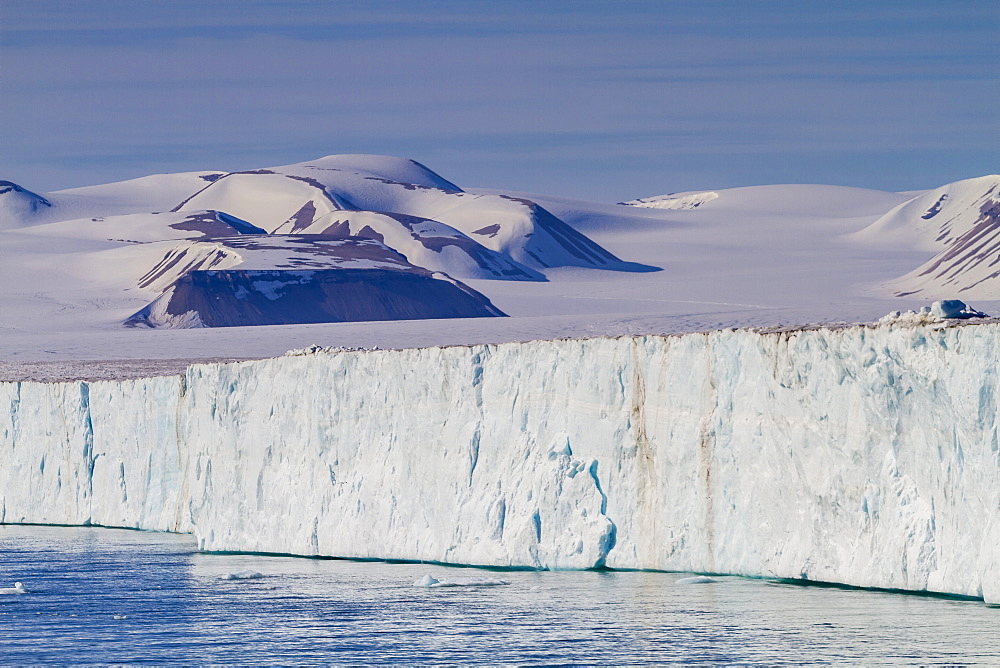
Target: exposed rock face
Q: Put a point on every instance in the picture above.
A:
(236, 298)
(294, 279)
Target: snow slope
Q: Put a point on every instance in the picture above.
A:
(148, 227)
(159, 192)
(18, 206)
(960, 222)
(385, 167)
(425, 242)
(865, 455)
(267, 199)
(295, 197)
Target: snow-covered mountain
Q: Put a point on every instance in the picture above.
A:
(960, 222)
(428, 243)
(18, 205)
(288, 279)
(86, 260)
(295, 198)
(401, 205)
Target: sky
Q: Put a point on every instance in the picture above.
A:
(604, 101)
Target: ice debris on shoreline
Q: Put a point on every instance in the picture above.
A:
(939, 311)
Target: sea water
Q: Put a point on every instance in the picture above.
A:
(113, 596)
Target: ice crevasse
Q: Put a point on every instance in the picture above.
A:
(865, 455)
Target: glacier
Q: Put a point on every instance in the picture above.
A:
(862, 455)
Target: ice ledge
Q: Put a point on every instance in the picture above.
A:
(865, 455)
(134, 369)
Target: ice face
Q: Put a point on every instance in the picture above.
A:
(867, 455)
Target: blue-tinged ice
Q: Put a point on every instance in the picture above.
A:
(863, 455)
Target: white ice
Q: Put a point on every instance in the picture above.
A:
(246, 574)
(430, 581)
(862, 455)
(18, 588)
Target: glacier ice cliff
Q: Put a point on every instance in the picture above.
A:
(865, 455)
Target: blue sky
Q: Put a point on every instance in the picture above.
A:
(598, 100)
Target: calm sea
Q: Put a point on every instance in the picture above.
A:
(112, 596)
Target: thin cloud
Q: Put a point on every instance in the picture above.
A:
(672, 90)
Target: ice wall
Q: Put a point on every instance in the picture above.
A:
(866, 456)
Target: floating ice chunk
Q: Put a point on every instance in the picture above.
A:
(431, 581)
(472, 582)
(696, 580)
(243, 575)
(18, 588)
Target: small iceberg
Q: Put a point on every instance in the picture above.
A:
(696, 580)
(432, 582)
(244, 575)
(18, 588)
